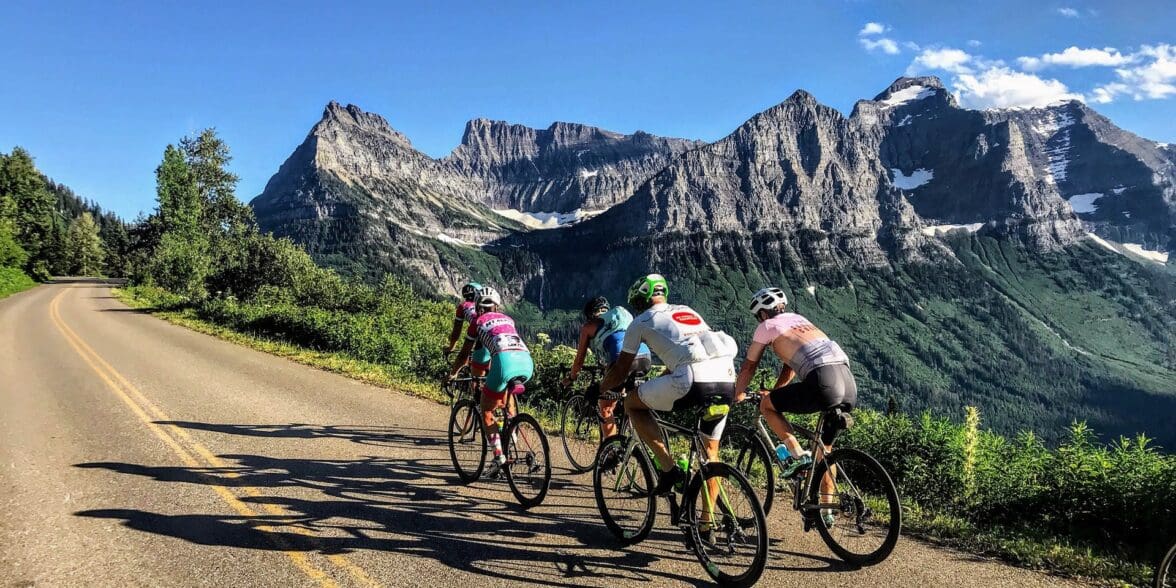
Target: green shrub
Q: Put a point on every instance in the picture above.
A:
(12, 280)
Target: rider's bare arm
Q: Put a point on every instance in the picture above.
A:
(755, 352)
(454, 334)
(462, 357)
(581, 351)
(618, 372)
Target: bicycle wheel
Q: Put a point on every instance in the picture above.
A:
(622, 481)
(726, 525)
(528, 461)
(1166, 572)
(866, 513)
(467, 443)
(752, 459)
(580, 433)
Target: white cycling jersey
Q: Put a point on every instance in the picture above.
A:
(678, 336)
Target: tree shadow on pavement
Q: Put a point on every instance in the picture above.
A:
(398, 508)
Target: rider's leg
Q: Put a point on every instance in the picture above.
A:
(779, 425)
(648, 430)
(608, 422)
(490, 402)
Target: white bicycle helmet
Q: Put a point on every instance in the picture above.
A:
(767, 299)
(488, 296)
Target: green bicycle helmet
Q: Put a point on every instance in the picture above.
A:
(645, 288)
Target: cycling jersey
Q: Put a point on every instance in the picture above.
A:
(699, 362)
(503, 349)
(678, 336)
(466, 311)
(814, 349)
(496, 332)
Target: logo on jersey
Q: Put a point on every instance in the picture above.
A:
(686, 318)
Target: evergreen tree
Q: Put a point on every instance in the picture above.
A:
(84, 252)
(24, 187)
(11, 253)
(208, 157)
(181, 261)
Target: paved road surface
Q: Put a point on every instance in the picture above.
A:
(135, 452)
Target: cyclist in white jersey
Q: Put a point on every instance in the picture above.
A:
(700, 371)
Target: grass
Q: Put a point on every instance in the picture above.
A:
(12, 280)
(1020, 546)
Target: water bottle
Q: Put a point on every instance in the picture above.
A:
(684, 465)
(782, 452)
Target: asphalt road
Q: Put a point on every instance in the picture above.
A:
(136, 452)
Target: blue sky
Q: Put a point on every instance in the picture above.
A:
(95, 90)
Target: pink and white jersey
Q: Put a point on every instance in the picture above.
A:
(805, 347)
(496, 332)
(466, 311)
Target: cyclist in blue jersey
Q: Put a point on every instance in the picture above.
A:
(603, 331)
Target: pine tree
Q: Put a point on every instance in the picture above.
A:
(24, 187)
(84, 252)
(181, 261)
(208, 157)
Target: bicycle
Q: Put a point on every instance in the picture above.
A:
(581, 421)
(1166, 571)
(733, 549)
(460, 387)
(866, 505)
(528, 458)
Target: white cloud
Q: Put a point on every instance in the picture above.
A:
(1076, 57)
(887, 46)
(974, 43)
(1153, 79)
(947, 59)
(1068, 12)
(1001, 87)
(872, 28)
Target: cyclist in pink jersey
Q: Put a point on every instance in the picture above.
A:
(510, 364)
(821, 367)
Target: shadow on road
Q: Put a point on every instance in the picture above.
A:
(407, 506)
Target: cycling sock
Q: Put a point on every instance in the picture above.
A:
(496, 442)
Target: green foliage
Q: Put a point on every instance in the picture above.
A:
(12, 280)
(30, 206)
(1114, 498)
(11, 253)
(84, 254)
(180, 265)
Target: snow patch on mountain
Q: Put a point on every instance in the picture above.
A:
(909, 94)
(547, 220)
(1085, 202)
(917, 178)
(938, 230)
(585, 174)
(1156, 256)
(442, 237)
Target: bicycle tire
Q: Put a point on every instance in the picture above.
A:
(632, 485)
(530, 450)
(1166, 571)
(575, 438)
(742, 513)
(755, 462)
(467, 441)
(880, 483)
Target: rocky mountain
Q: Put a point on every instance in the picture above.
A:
(561, 169)
(1015, 260)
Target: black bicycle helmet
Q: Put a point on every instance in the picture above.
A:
(595, 307)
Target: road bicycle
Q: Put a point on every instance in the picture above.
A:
(865, 508)
(581, 420)
(528, 459)
(462, 386)
(1166, 571)
(719, 512)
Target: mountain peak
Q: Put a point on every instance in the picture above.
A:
(910, 89)
(352, 117)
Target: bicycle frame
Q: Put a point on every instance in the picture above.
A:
(815, 445)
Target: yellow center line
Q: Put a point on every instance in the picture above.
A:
(141, 406)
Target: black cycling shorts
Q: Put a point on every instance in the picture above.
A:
(824, 387)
